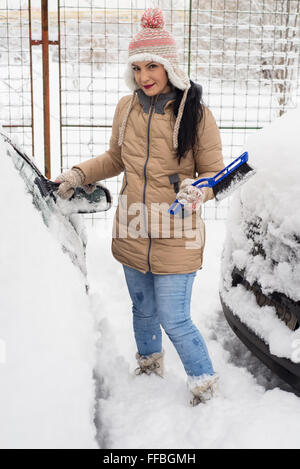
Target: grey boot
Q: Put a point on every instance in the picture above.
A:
(150, 364)
(203, 388)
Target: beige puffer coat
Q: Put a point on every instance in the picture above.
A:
(145, 236)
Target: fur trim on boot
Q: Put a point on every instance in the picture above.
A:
(203, 388)
(150, 364)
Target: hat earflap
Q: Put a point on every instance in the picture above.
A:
(177, 77)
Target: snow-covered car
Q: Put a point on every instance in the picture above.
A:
(60, 216)
(260, 279)
(47, 327)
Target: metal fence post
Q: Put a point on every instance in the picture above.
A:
(46, 99)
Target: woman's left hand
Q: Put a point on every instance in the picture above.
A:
(189, 195)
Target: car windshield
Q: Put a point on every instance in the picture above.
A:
(65, 228)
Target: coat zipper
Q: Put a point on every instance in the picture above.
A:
(145, 176)
(125, 185)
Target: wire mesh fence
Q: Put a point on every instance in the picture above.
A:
(15, 71)
(244, 53)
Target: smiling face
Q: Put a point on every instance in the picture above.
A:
(151, 77)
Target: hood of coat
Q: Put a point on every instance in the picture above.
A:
(160, 101)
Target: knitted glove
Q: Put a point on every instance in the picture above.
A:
(69, 181)
(189, 195)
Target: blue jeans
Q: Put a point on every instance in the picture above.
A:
(165, 300)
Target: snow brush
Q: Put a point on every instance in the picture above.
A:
(223, 183)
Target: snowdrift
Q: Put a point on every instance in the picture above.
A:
(46, 330)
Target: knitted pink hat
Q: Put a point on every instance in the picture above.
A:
(155, 43)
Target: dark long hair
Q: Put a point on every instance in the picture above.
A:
(192, 116)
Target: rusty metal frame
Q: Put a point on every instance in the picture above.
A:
(44, 42)
(46, 86)
(59, 69)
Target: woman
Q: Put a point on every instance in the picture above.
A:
(162, 136)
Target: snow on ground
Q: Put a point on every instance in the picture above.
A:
(254, 408)
(47, 338)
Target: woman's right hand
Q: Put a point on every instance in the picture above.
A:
(68, 181)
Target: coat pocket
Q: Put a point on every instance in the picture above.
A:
(174, 180)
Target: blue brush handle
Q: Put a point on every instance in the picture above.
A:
(211, 182)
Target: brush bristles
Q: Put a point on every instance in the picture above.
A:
(234, 180)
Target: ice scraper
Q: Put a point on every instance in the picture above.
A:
(225, 182)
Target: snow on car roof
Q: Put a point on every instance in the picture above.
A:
(274, 192)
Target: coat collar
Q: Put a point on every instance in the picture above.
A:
(160, 101)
